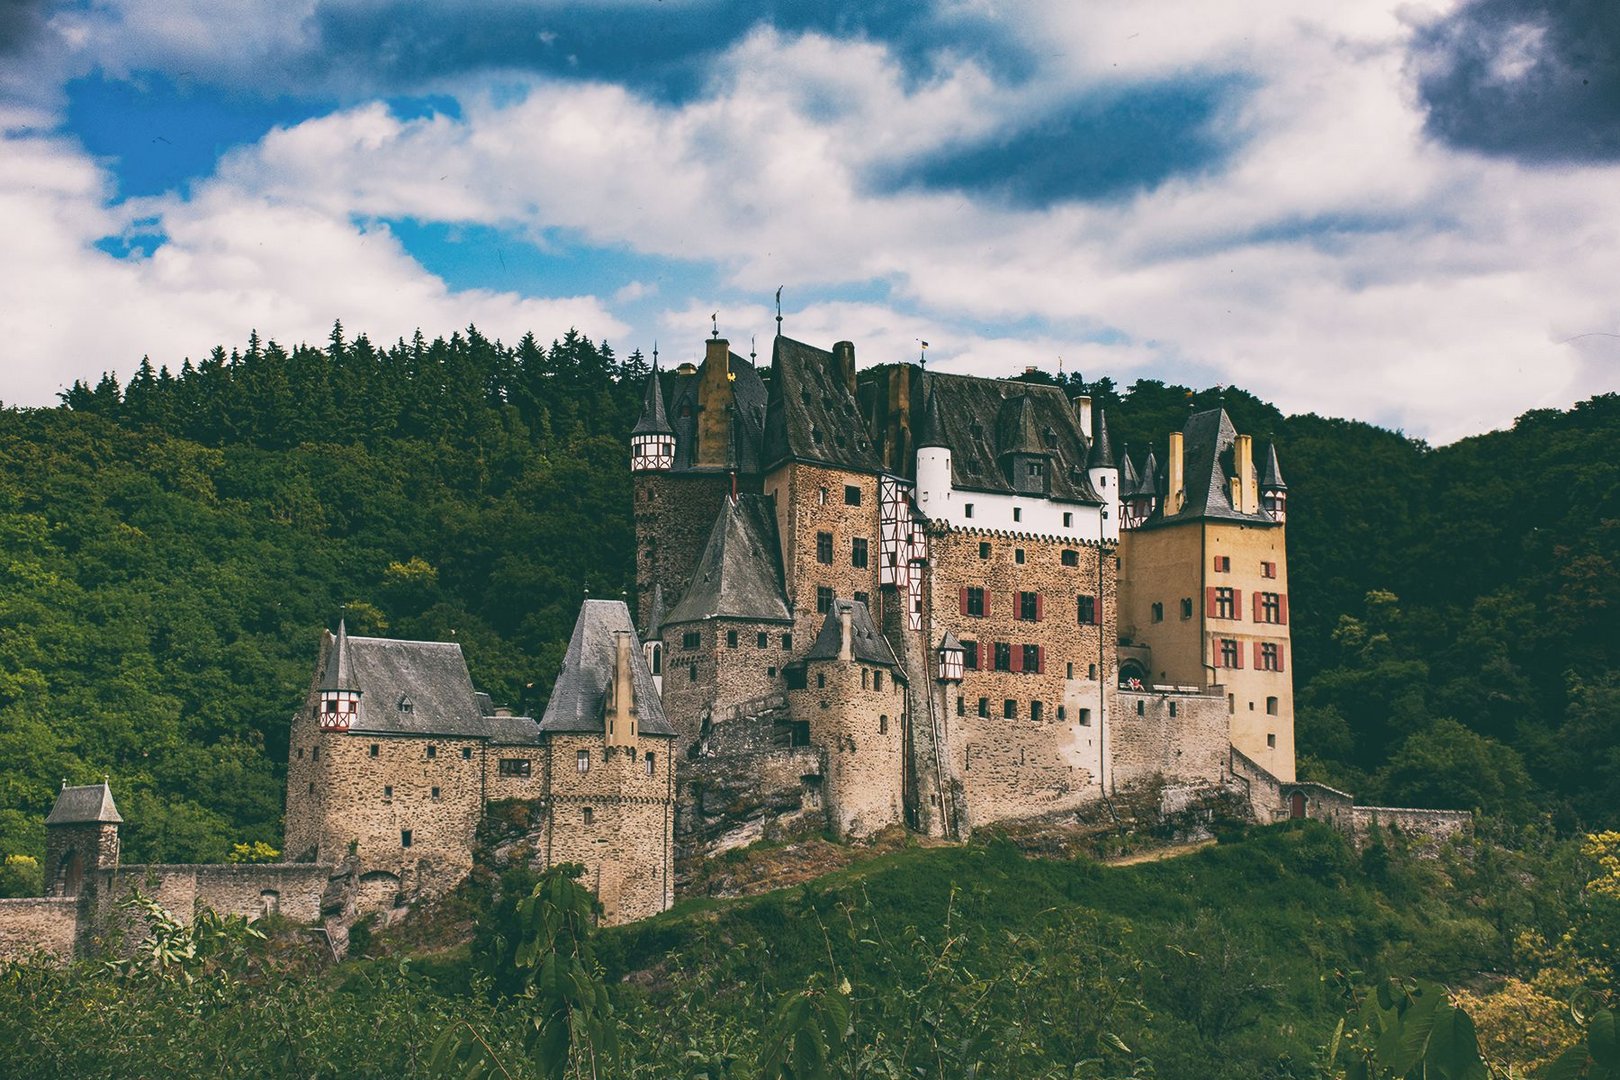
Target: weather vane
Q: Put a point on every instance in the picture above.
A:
(715, 318)
(924, 357)
(752, 355)
(655, 352)
(779, 311)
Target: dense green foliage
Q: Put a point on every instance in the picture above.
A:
(1238, 962)
(174, 544)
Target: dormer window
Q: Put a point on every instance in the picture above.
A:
(405, 704)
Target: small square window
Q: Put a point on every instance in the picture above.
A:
(466, 753)
(852, 495)
(821, 496)
(883, 725)
(1172, 710)
(373, 749)
(824, 545)
(821, 680)
(587, 815)
(1085, 717)
(984, 550)
(692, 639)
(405, 838)
(787, 642)
(433, 751)
(1186, 607)
(388, 791)
(824, 599)
(762, 641)
(967, 509)
(1271, 706)
(1018, 556)
(877, 680)
(1068, 521)
(582, 761)
(731, 639)
(652, 763)
(1018, 513)
(1158, 613)
(435, 795)
(1035, 711)
(1009, 709)
(1141, 708)
(857, 552)
(1062, 712)
(1271, 741)
(984, 706)
(1071, 557)
(1085, 609)
(975, 600)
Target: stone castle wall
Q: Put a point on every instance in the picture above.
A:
(41, 925)
(715, 677)
(809, 500)
(1182, 737)
(1020, 767)
(616, 819)
(674, 513)
(1434, 825)
(855, 712)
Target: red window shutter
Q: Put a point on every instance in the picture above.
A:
(1257, 612)
(1217, 566)
(1040, 658)
(1040, 608)
(1209, 602)
(1281, 649)
(1259, 658)
(1217, 653)
(1017, 652)
(1282, 616)
(1237, 604)
(1238, 663)
(964, 600)
(987, 601)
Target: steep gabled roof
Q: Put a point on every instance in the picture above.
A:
(422, 688)
(970, 412)
(1102, 452)
(656, 617)
(339, 670)
(868, 646)
(653, 420)
(579, 695)
(748, 397)
(1016, 431)
(812, 415)
(739, 575)
(932, 432)
(90, 804)
(1208, 442)
(1130, 481)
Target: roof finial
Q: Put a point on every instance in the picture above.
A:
(923, 358)
(752, 355)
(587, 590)
(715, 319)
(779, 311)
(655, 352)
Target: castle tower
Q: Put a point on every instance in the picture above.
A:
(933, 459)
(610, 796)
(81, 836)
(1273, 492)
(849, 690)
(1104, 476)
(1204, 586)
(652, 440)
(339, 693)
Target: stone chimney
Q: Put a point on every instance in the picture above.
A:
(619, 725)
(1247, 500)
(1082, 409)
(846, 633)
(844, 362)
(716, 403)
(1175, 492)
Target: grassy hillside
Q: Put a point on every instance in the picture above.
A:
(1235, 962)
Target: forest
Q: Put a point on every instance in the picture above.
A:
(174, 543)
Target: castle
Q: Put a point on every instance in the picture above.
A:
(864, 599)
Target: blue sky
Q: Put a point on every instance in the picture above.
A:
(1401, 212)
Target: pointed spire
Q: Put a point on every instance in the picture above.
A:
(933, 428)
(1129, 479)
(655, 619)
(1272, 477)
(653, 420)
(339, 674)
(1102, 452)
(1018, 434)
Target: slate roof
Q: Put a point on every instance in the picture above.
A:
(749, 397)
(932, 432)
(1208, 447)
(656, 618)
(1130, 481)
(973, 412)
(431, 677)
(579, 696)
(812, 415)
(339, 671)
(1101, 455)
(86, 805)
(654, 420)
(739, 575)
(869, 646)
(1271, 476)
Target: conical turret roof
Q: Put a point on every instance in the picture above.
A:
(339, 673)
(1018, 434)
(932, 432)
(653, 419)
(1272, 477)
(1102, 451)
(1130, 481)
(1150, 475)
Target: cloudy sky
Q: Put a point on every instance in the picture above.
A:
(1403, 212)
